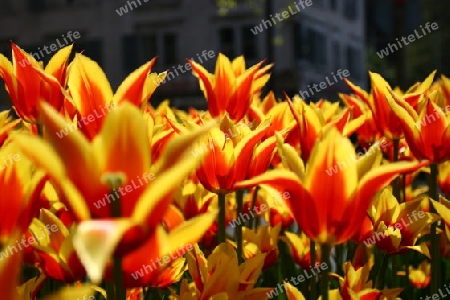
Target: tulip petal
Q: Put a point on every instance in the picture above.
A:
(124, 135)
(335, 157)
(207, 85)
(155, 199)
(57, 65)
(378, 178)
(73, 149)
(190, 231)
(133, 88)
(95, 242)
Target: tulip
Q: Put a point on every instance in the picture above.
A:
(20, 203)
(397, 227)
(356, 285)
(221, 274)
(86, 172)
(349, 191)
(54, 248)
(92, 96)
(427, 130)
(28, 82)
(230, 89)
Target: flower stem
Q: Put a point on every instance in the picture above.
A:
(379, 282)
(254, 221)
(395, 183)
(434, 236)
(118, 280)
(240, 202)
(312, 281)
(221, 234)
(325, 255)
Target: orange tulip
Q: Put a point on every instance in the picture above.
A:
(356, 285)
(53, 245)
(85, 173)
(427, 131)
(311, 121)
(92, 96)
(230, 89)
(236, 152)
(19, 204)
(385, 119)
(420, 277)
(220, 276)
(299, 248)
(397, 227)
(349, 192)
(28, 83)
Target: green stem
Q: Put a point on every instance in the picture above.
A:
(118, 280)
(255, 197)
(312, 280)
(396, 194)
(40, 129)
(395, 183)
(221, 234)
(280, 278)
(117, 289)
(407, 285)
(240, 202)
(434, 236)
(110, 290)
(339, 258)
(325, 255)
(379, 283)
(394, 270)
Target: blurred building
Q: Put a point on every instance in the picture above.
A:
(310, 42)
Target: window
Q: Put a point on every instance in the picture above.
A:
(353, 57)
(226, 36)
(351, 9)
(170, 49)
(297, 38)
(5, 7)
(148, 45)
(36, 5)
(319, 48)
(334, 4)
(249, 41)
(137, 49)
(310, 45)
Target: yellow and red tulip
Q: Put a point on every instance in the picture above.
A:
(28, 83)
(349, 191)
(230, 89)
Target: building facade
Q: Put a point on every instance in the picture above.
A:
(310, 42)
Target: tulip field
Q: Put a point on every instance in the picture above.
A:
(105, 195)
